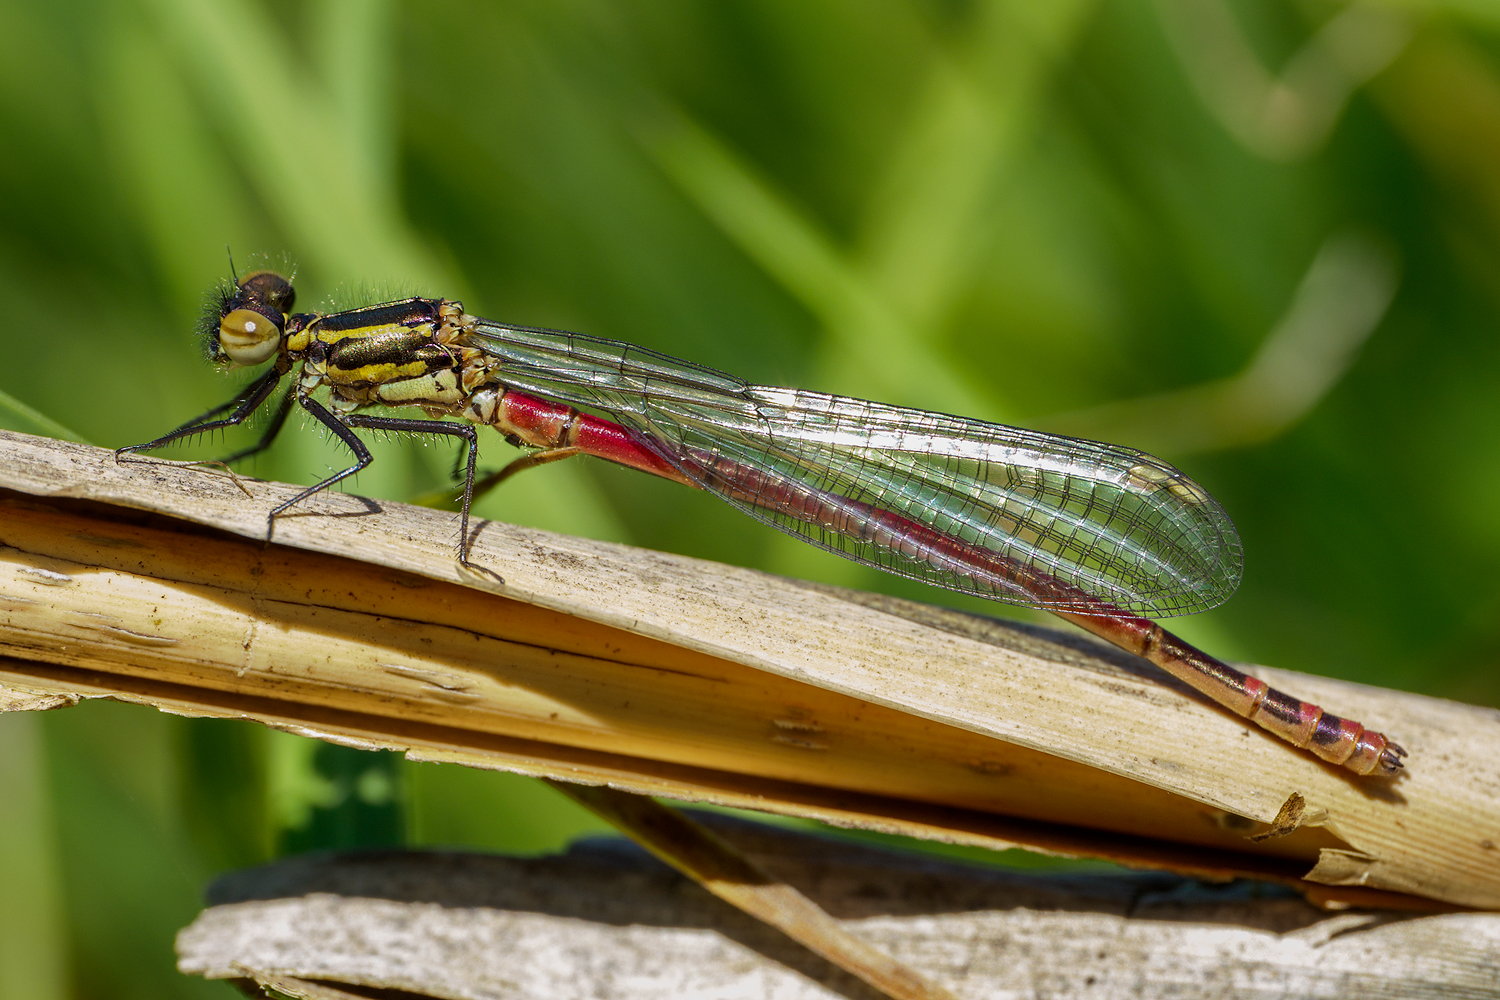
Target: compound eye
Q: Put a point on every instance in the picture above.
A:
(270, 288)
(248, 338)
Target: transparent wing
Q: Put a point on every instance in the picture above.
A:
(1013, 515)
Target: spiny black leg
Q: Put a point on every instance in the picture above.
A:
(254, 389)
(247, 402)
(278, 419)
(362, 458)
(340, 426)
(459, 459)
(471, 442)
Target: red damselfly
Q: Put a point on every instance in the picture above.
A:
(1104, 536)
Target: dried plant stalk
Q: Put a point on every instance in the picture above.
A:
(671, 676)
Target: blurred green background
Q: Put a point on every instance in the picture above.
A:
(1261, 240)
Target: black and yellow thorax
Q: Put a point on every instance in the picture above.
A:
(397, 354)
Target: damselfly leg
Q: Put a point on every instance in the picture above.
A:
(341, 426)
(249, 399)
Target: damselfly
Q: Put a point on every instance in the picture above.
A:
(1101, 535)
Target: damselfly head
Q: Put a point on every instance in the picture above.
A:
(252, 318)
